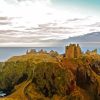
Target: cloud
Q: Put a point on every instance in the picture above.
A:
(96, 24)
(4, 20)
(47, 34)
(38, 22)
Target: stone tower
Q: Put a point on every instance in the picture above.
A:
(31, 51)
(73, 51)
(78, 51)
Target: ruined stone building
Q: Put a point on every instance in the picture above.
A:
(73, 51)
(31, 51)
(92, 53)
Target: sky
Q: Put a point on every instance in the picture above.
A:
(87, 3)
(45, 23)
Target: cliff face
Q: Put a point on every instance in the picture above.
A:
(73, 51)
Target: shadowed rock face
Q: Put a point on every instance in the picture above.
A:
(96, 67)
(87, 79)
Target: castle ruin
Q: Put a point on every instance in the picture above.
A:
(73, 51)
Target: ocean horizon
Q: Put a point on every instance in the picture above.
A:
(7, 52)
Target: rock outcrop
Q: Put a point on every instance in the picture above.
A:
(93, 52)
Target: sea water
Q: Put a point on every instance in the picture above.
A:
(2, 94)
